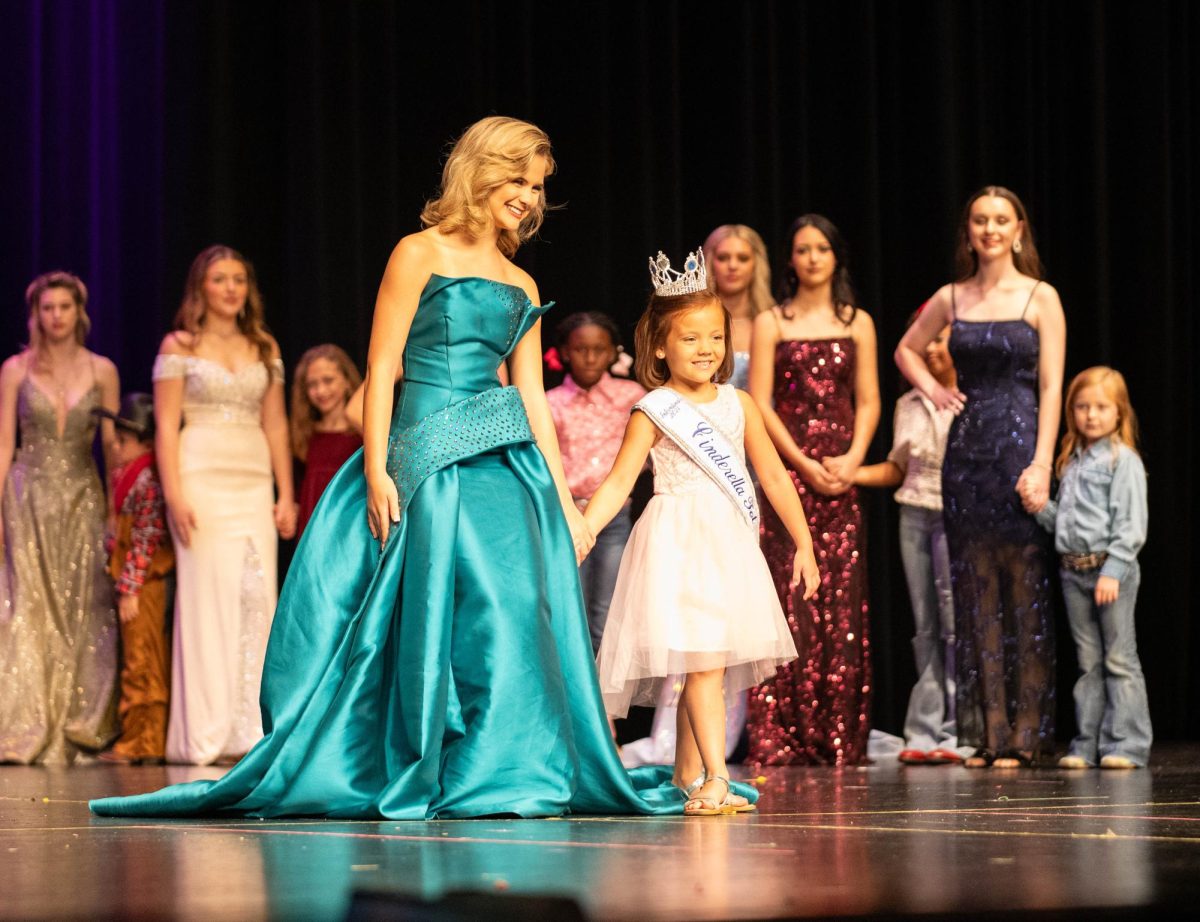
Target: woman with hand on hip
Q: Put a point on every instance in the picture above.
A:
(1008, 339)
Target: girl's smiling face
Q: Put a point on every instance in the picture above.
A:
(325, 385)
(510, 204)
(695, 345)
(993, 226)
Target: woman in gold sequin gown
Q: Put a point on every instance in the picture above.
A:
(58, 630)
(813, 373)
(220, 376)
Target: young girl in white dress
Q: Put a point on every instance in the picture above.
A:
(694, 595)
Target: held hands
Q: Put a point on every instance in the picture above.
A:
(1033, 487)
(181, 518)
(842, 468)
(804, 570)
(286, 514)
(1107, 590)
(582, 535)
(820, 479)
(127, 608)
(383, 506)
(947, 398)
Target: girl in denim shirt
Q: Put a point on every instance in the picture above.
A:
(1099, 522)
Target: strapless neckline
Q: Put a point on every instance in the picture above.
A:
(474, 278)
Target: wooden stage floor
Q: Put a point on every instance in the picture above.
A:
(883, 841)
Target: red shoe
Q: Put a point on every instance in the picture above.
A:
(913, 757)
(942, 756)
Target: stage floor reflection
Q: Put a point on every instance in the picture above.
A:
(873, 841)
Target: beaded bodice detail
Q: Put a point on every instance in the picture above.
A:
(451, 404)
(677, 474)
(464, 328)
(215, 396)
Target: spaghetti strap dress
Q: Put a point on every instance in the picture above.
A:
(58, 627)
(450, 673)
(999, 555)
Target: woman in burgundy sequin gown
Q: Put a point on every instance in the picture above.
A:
(324, 434)
(813, 373)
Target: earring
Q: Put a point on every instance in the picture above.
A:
(660, 354)
(1017, 245)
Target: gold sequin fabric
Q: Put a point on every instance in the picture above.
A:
(816, 710)
(58, 629)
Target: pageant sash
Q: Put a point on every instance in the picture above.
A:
(703, 441)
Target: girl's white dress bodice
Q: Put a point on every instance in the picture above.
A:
(694, 592)
(226, 579)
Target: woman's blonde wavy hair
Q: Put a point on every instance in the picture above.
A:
(490, 153)
(1112, 382)
(192, 309)
(79, 294)
(760, 282)
(304, 414)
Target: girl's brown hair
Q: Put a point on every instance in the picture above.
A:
(192, 309)
(489, 154)
(1113, 384)
(966, 260)
(79, 294)
(655, 324)
(760, 280)
(304, 414)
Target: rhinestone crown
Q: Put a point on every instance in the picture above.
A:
(668, 281)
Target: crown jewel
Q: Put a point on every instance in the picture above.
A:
(668, 281)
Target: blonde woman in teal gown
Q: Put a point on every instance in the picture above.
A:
(430, 653)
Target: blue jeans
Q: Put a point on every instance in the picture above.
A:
(598, 573)
(929, 722)
(1111, 706)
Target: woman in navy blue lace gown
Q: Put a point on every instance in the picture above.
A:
(1008, 337)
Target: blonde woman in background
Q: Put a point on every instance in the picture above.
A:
(740, 274)
(222, 445)
(58, 629)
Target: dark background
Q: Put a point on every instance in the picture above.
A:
(308, 134)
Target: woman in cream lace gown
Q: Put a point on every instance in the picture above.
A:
(58, 630)
(219, 374)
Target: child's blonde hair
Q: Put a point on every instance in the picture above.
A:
(651, 334)
(304, 414)
(489, 154)
(1113, 383)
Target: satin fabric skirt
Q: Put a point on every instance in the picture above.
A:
(448, 676)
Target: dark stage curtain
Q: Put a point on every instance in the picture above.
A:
(307, 134)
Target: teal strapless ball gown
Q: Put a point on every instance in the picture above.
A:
(451, 674)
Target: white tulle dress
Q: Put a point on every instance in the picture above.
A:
(694, 592)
